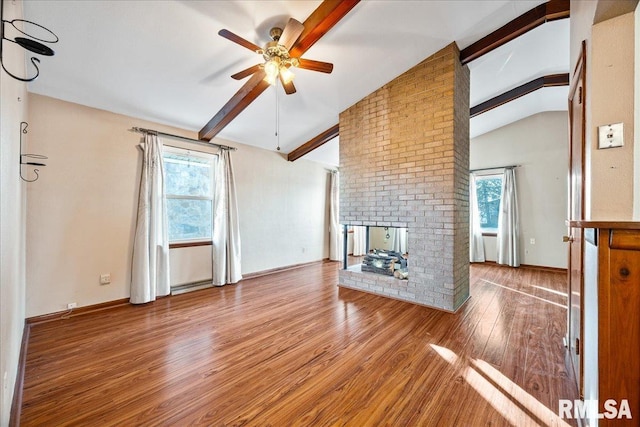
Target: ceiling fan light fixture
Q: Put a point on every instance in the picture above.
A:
(270, 79)
(286, 74)
(272, 67)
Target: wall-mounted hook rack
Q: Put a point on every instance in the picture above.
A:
(23, 131)
(29, 44)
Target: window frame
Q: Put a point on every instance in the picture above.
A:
(212, 160)
(490, 232)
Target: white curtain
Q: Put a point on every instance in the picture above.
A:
(226, 232)
(508, 240)
(398, 240)
(150, 266)
(476, 242)
(359, 240)
(335, 231)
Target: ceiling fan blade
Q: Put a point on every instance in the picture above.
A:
(241, 100)
(289, 88)
(319, 22)
(239, 40)
(309, 64)
(291, 33)
(245, 73)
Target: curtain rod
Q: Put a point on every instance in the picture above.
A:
(169, 135)
(497, 167)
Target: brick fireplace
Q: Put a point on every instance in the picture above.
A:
(404, 162)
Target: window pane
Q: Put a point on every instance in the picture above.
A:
(189, 219)
(489, 190)
(187, 176)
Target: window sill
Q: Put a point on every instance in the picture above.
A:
(189, 244)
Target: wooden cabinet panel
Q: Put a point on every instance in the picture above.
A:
(625, 239)
(619, 321)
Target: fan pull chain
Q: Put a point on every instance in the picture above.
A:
(277, 116)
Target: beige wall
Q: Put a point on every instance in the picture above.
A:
(13, 110)
(284, 216)
(610, 47)
(540, 145)
(190, 265)
(81, 213)
(612, 101)
(609, 30)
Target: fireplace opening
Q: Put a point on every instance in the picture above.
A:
(379, 250)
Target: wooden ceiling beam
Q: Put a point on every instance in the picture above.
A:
(549, 11)
(328, 14)
(314, 143)
(515, 93)
(245, 96)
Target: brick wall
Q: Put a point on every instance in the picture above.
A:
(404, 162)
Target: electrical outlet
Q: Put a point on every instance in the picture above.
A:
(105, 279)
(71, 305)
(532, 241)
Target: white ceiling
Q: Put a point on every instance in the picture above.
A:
(539, 52)
(163, 60)
(542, 51)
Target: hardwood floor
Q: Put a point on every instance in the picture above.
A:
(293, 349)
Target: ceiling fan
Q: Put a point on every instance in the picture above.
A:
(278, 60)
(280, 54)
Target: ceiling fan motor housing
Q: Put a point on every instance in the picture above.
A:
(273, 50)
(275, 33)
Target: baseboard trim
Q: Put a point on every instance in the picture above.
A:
(125, 301)
(190, 287)
(281, 269)
(80, 311)
(530, 266)
(16, 403)
(60, 315)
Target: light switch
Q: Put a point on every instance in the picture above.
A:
(610, 136)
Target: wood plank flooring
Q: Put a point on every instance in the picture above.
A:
(293, 349)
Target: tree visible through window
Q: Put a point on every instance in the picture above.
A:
(489, 190)
(189, 194)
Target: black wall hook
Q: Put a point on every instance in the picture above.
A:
(29, 44)
(23, 131)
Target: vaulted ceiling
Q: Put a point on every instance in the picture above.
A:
(164, 61)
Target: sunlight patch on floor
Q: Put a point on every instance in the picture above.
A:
(524, 293)
(445, 353)
(553, 291)
(501, 403)
(516, 393)
(511, 401)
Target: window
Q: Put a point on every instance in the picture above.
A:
(489, 189)
(189, 192)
